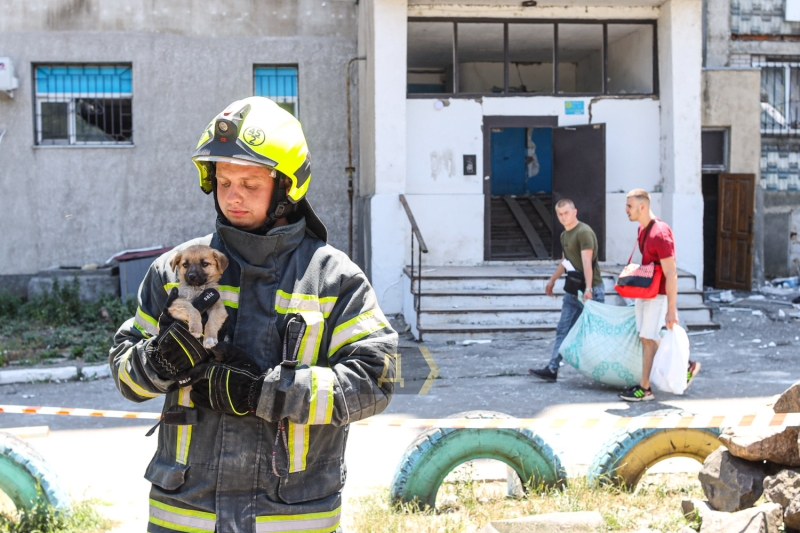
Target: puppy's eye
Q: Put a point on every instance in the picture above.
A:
(204, 263)
(185, 264)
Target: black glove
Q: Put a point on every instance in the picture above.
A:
(232, 385)
(175, 351)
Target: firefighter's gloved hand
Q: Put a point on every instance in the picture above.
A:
(226, 388)
(175, 351)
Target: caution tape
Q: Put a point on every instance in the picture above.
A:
(74, 411)
(761, 420)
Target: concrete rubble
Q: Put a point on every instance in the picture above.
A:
(789, 401)
(766, 518)
(730, 483)
(777, 445)
(751, 463)
(588, 521)
(784, 489)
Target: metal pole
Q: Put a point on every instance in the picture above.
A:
(350, 169)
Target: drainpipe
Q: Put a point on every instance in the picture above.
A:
(350, 169)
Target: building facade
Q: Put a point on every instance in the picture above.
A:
(113, 97)
(502, 110)
(763, 36)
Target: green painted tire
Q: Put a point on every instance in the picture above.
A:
(436, 452)
(627, 455)
(26, 477)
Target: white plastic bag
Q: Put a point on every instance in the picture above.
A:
(671, 362)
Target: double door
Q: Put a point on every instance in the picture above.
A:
(529, 165)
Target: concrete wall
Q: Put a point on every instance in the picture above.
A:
(437, 140)
(731, 100)
(781, 246)
(382, 39)
(680, 62)
(77, 205)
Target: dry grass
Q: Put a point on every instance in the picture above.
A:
(467, 506)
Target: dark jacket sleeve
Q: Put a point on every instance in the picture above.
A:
(358, 382)
(132, 374)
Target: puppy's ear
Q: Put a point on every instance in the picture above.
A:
(175, 261)
(222, 261)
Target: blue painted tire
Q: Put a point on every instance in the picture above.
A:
(26, 477)
(436, 452)
(627, 455)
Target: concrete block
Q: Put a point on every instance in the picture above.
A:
(96, 371)
(91, 283)
(27, 375)
(589, 521)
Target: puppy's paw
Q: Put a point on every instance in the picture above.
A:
(196, 330)
(209, 342)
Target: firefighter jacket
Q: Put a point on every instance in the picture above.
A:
(213, 472)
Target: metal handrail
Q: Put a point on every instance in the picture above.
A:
(422, 248)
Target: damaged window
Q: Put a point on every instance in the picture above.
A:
(83, 104)
(780, 95)
(530, 57)
(430, 57)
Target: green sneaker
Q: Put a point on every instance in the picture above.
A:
(637, 394)
(694, 369)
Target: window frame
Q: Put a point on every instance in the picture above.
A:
(726, 154)
(70, 99)
(296, 68)
(554, 23)
(787, 64)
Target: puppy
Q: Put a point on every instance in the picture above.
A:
(199, 268)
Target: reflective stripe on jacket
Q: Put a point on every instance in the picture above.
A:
(213, 472)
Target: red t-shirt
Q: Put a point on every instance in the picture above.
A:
(660, 245)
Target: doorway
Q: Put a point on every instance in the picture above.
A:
(531, 164)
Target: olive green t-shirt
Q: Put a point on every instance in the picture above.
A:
(579, 238)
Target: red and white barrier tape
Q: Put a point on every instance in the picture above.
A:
(761, 420)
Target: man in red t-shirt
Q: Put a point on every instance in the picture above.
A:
(657, 245)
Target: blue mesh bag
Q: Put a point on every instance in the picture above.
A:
(604, 345)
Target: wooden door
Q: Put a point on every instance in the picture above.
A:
(735, 231)
(579, 173)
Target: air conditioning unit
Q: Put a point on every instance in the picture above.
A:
(8, 83)
(792, 13)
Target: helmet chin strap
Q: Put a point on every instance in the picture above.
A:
(279, 205)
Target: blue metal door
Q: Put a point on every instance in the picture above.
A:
(509, 172)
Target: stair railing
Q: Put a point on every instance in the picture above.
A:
(421, 249)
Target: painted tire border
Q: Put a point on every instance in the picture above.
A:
(26, 477)
(435, 452)
(627, 455)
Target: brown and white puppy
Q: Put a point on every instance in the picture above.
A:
(199, 268)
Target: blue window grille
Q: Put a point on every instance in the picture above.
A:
(83, 104)
(278, 84)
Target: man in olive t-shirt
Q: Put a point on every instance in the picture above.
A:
(580, 253)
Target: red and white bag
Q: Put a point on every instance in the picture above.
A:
(640, 281)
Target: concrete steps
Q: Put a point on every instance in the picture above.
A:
(494, 301)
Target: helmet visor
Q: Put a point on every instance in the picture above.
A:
(232, 160)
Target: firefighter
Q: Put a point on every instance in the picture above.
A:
(253, 432)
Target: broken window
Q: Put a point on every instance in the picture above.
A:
(83, 104)
(430, 57)
(530, 58)
(630, 59)
(580, 58)
(481, 59)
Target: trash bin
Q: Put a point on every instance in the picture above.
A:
(133, 265)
